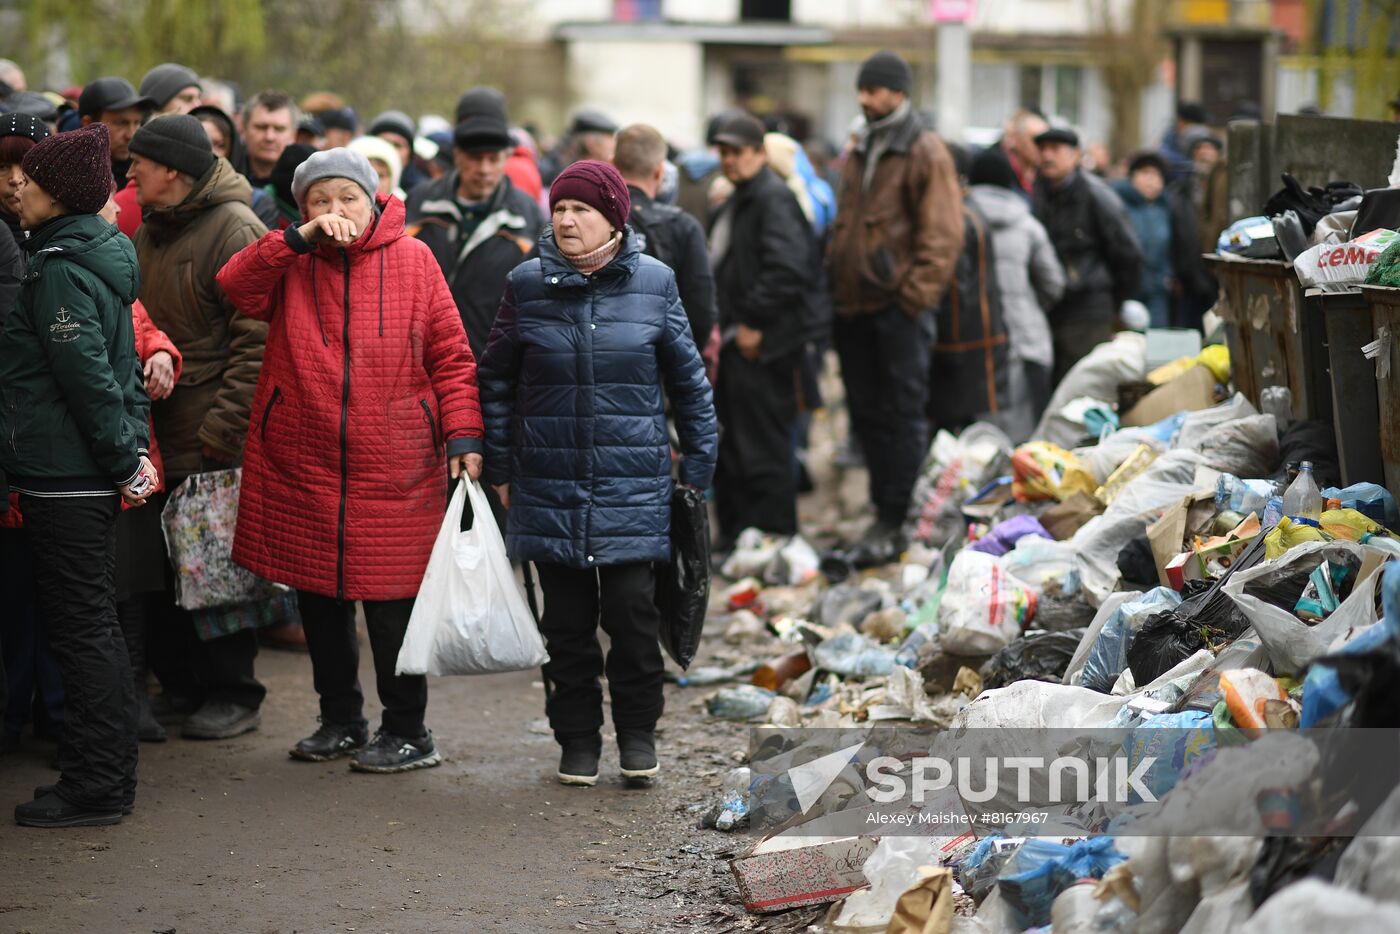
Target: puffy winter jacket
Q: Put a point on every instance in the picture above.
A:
(1096, 245)
(73, 408)
(367, 387)
(571, 385)
(1028, 273)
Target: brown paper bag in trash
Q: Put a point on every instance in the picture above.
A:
(927, 906)
(1064, 519)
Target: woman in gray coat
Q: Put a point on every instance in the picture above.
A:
(1030, 278)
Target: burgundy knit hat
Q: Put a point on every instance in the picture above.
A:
(596, 184)
(75, 167)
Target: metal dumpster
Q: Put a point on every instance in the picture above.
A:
(1385, 320)
(1275, 338)
(1356, 408)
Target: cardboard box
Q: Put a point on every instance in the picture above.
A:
(1168, 535)
(1189, 392)
(787, 871)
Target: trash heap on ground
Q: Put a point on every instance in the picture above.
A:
(1162, 557)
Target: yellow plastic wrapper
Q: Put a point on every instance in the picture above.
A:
(1169, 371)
(1043, 471)
(1348, 524)
(1136, 463)
(1217, 358)
(1289, 534)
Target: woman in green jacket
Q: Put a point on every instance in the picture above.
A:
(73, 416)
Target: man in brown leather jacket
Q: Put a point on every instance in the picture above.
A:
(196, 216)
(897, 235)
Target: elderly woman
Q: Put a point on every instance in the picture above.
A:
(587, 336)
(367, 396)
(73, 414)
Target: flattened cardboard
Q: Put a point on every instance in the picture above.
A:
(1190, 392)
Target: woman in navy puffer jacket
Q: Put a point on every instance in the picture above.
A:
(576, 445)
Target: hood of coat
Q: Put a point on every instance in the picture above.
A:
(554, 266)
(220, 185)
(387, 226)
(92, 243)
(1002, 207)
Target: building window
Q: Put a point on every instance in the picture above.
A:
(1069, 86)
(636, 11)
(774, 10)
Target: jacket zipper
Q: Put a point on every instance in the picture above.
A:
(432, 425)
(267, 412)
(344, 435)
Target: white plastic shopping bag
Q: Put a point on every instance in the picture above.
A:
(470, 617)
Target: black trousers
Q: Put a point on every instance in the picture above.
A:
(33, 682)
(756, 479)
(885, 366)
(75, 566)
(335, 662)
(623, 598)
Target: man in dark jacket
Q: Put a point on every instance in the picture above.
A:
(765, 260)
(477, 223)
(1096, 245)
(897, 234)
(664, 231)
(115, 102)
(197, 217)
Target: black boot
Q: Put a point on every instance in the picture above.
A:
(41, 790)
(50, 810)
(131, 614)
(638, 752)
(578, 763)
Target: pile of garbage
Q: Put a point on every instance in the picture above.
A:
(1164, 558)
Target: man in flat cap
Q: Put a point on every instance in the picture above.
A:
(1094, 239)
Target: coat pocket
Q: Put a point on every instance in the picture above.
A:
(277, 431)
(414, 433)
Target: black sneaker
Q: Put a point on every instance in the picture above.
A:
(331, 741)
(221, 720)
(52, 811)
(638, 753)
(578, 763)
(390, 753)
(882, 544)
(41, 790)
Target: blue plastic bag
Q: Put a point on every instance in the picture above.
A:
(1323, 694)
(1109, 654)
(1175, 740)
(1370, 499)
(1042, 869)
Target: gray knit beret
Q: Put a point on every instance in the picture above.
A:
(334, 163)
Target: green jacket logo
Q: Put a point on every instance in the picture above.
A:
(64, 330)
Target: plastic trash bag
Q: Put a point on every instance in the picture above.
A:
(1109, 654)
(1370, 499)
(199, 521)
(683, 583)
(470, 617)
(953, 470)
(1198, 425)
(1043, 471)
(1246, 447)
(977, 871)
(1175, 741)
(743, 703)
(1365, 671)
(1004, 535)
(1314, 905)
(852, 655)
(1042, 565)
(1207, 621)
(1097, 375)
(983, 608)
(1043, 656)
(1042, 869)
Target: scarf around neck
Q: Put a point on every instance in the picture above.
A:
(877, 139)
(594, 260)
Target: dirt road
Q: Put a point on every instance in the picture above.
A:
(236, 837)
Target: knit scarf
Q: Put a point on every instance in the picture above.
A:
(877, 139)
(591, 262)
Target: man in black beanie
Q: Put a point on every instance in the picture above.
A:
(897, 235)
(196, 216)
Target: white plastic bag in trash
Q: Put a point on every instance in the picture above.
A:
(1313, 905)
(1371, 862)
(470, 617)
(1199, 424)
(891, 869)
(1121, 360)
(983, 607)
(1292, 643)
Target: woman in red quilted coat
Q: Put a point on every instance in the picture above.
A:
(368, 386)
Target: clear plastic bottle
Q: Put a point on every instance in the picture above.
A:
(1303, 500)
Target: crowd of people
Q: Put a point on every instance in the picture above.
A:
(357, 314)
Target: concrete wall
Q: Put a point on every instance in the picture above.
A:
(661, 83)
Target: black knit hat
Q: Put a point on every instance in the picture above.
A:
(74, 167)
(991, 167)
(886, 70)
(177, 141)
(165, 81)
(338, 118)
(1147, 160)
(392, 121)
(26, 125)
(286, 168)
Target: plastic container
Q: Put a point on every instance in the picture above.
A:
(1278, 402)
(779, 672)
(1303, 499)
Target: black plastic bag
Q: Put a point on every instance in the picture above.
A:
(1137, 564)
(1285, 860)
(1041, 657)
(1310, 441)
(1285, 583)
(683, 583)
(1209, 620)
